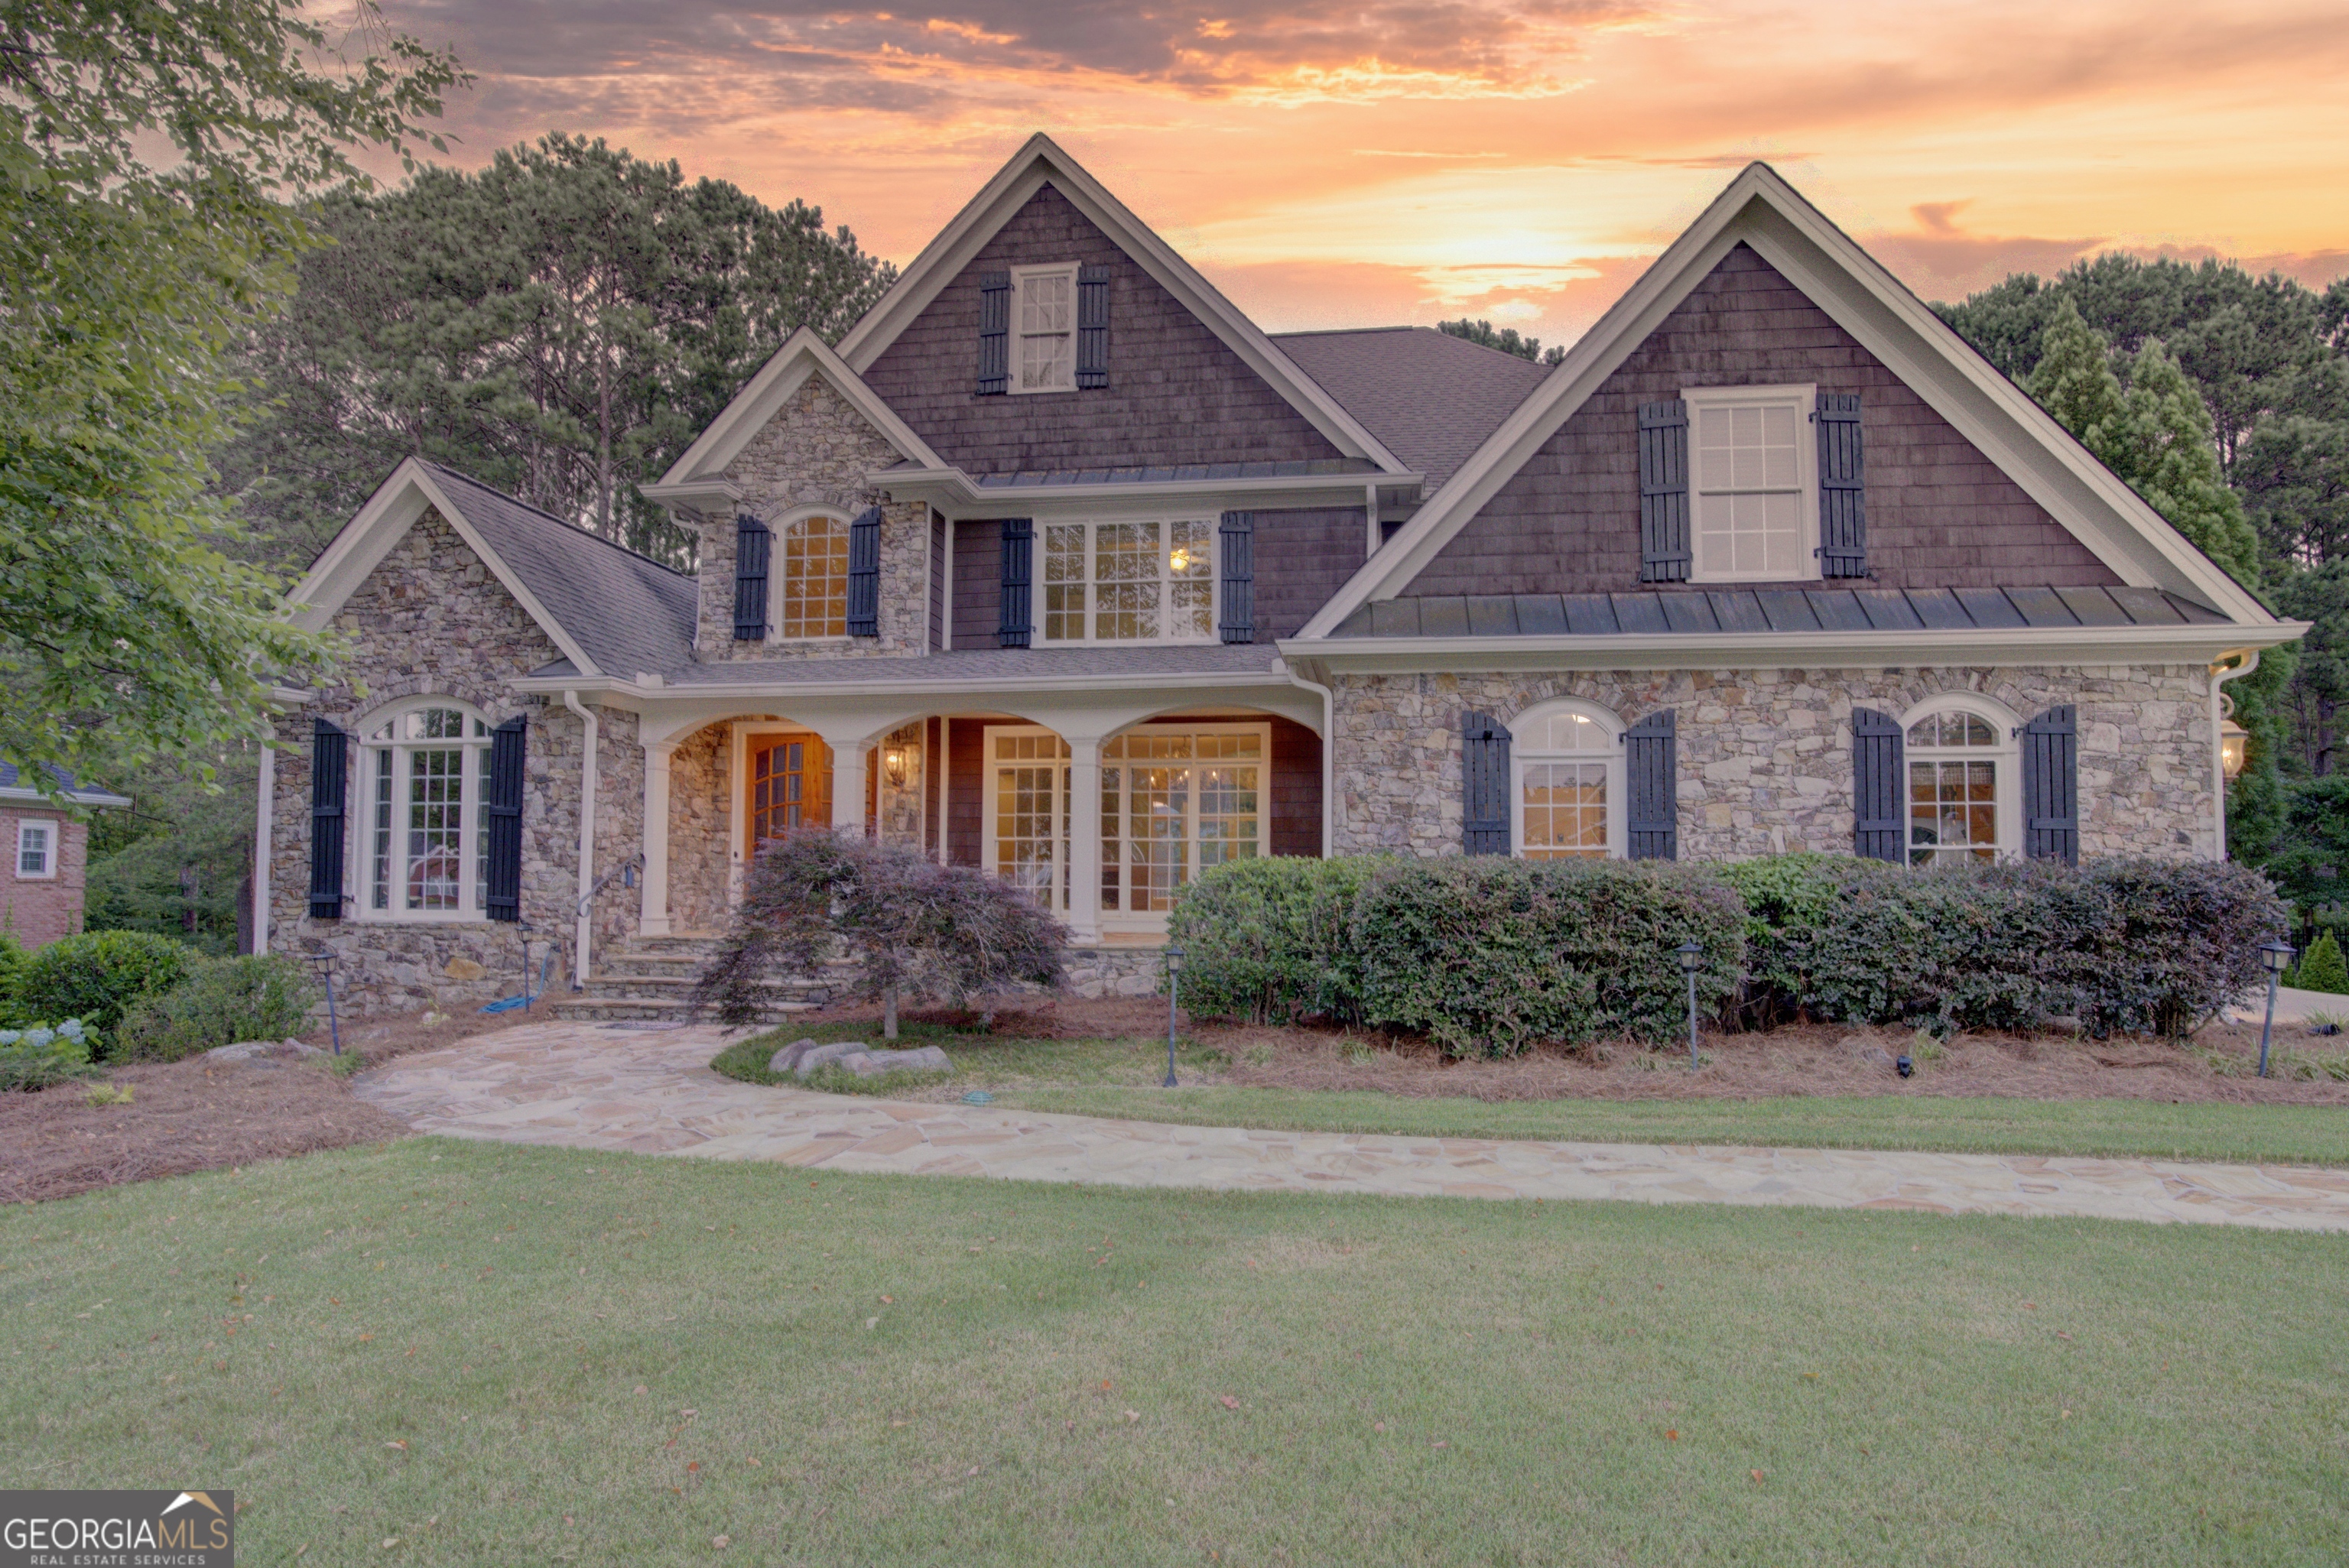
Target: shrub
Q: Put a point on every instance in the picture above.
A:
(1271, 940)
(2180, 940)
(2323, 968)
(1485, 956)
(94, 976)
(12, 968)
(910, 925)
(225, 1000)
(44, 1054)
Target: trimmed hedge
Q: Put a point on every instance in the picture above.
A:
(226, 1000)
(1271, 940)
(97, 975)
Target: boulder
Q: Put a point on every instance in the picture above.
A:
(250, 1050)
(872, 1064)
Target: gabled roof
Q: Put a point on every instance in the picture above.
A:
(1041, 161)
(16, 787)
(1431, 398)
(1759, 208)
(803, 354)
(610, 610)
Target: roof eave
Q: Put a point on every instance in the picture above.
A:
(18, 794)
(953, 490)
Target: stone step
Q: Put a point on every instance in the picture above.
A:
(591, 1006)
(680, 985)
(624, 962)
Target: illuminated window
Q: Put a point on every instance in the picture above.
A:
(1128, 582)
(1958, 763)
(427, 774)
(1044, 322)
(1569, 761)
(814, 587)
(1174, 803)
(1752, 489)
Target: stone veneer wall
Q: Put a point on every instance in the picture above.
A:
(700, 829)
(1766, 755)
(816, 452)
(430, 620)
(901, 809)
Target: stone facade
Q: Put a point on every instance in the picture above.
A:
(36, 911)
(431, 620)
(1765, 755)
(816, 452)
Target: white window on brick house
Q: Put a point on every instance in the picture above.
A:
(37, 850)
(1753, 498)
(1044, 329)
(1569, 785)
(1127, 582)
(425, 777)
(1964, 784)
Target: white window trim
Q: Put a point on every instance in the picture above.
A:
(55, 847)
(361, 811)
(1803, 400)
(1523, 756)
(1019, 276)
(1127, 920)
(1064, 808)
(777, 557)
(1036, 583)
(2007, 756)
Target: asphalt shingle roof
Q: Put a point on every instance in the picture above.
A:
(1432, 399)
(628, 611)
(1770, 610)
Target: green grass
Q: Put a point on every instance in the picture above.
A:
(927, 1370)
(1120, 1078)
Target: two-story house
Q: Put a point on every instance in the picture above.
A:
(1060, 566)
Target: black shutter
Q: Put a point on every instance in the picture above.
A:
(2051, 787)
(502, 819)
(330, 761)
(1237, 536)
(1485, 785)
(1878, 789)
(1092, 327)
(1018, 569)
(1651, 771)
(994, 334)
(1843, 509)
(864, 574)
(753, 544)
(1663, 492)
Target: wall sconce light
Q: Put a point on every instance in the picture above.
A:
(894, 765)
(2232, 739)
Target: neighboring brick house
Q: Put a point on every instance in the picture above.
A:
(1058, 565)
(47, 846)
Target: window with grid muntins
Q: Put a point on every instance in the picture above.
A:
(815, 579)
(1565, 801)
(1129, 582)
(1748, 479)
(1046, 328)
(427, 782)
(1952, 789)
(1174, 805)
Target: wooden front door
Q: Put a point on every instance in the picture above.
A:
(791, 784)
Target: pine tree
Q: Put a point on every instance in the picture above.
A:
(2175, 464)
(2323, 967)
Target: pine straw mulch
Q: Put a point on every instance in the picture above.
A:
(199, 1115)
(2216, 1065)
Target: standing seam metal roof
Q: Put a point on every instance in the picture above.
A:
(1770, 610)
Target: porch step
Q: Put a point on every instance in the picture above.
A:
(592, 1006)
(652, 978)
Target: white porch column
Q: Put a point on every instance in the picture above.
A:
(1084, 840)
(655, 921)
(848, 766)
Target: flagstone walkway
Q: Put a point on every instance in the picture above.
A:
(651, 1091)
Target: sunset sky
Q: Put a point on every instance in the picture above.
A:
(1346, 162)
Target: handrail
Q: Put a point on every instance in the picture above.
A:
(634, 864)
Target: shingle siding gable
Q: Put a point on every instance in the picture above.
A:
(1941, 514)
(1176, 393)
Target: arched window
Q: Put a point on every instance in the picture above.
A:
(1963, 784)
(425, 774)
(1569, 786)
(813, 587)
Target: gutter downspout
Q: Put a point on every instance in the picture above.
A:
(586, 840)
(265, 809)
(1329, 756)
(2249, 658)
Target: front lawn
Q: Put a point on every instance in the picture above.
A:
(444, 1352)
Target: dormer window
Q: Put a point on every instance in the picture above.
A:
(1044, 329)
(1754, 484)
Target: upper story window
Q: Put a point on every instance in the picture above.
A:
(812, 586)
(1569, 788)
(1754, 484)
(1044, 329)
(1128, 582)
(1961, 786)
(427, 774)
(37, 850)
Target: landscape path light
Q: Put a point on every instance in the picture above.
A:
(1174, 960)
(2277, 955)
(1692, 960)
(322, 959)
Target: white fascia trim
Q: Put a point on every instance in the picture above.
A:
(1040, 161)
(16, 793)
(1975, 646)
(1001, 686)
(697, 472)
(953, 491)
(1760, 209)
(383, 522)
(701, 492)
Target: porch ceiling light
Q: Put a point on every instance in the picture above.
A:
(2232, 739)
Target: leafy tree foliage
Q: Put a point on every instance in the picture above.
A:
(909, 925)
(1505, 338)
(560, 324)
(145, 151)
(178, 862)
